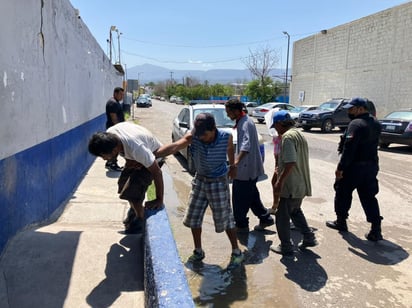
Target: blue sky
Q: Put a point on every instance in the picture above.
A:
(212, 34)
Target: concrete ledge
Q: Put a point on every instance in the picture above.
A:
(165, 282)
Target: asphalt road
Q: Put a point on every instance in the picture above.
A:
(345, 270)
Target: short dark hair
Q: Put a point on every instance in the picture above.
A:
(204, 122)
(118, 90)
(102, 143)
(234, 104)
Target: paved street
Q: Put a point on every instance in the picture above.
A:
(345, 270)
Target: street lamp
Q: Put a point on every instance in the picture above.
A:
(287, 63)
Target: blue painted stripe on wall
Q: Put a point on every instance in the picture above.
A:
(36, 181)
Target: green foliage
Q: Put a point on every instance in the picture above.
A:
(262, 91)
(151, 192)
(199, 91)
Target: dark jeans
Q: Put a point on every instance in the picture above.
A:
(362, 177)
(289, 208)
(245, 196)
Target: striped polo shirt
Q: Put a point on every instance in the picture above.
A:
(210, 159)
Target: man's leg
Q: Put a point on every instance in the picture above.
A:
(197, 237)
(283, 228)
(299, 220)
(240, 199)
(367, 191)
(343, 200)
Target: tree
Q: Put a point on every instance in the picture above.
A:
(260, 91)
(260, 63)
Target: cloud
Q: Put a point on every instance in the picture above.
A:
(194, 61)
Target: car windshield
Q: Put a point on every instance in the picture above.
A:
(329, 106)
(267, 105)
(221, 118)
(298, 109)
(400, 115)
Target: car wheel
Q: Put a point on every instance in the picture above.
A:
(190, 163)
(173, 138)
(306, 128)
(383, 145)
(327, 126)
(260, 121)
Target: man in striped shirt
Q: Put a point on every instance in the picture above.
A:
(210, 148)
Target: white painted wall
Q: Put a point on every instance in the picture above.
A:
(369, 57)
(54, 75)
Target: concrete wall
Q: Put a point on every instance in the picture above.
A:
(55, 82)
(369, 57)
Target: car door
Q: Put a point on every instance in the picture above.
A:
(340, 116)
(181, 124)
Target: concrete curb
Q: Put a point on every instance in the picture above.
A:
(165, 281)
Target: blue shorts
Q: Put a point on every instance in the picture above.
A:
(213, 192)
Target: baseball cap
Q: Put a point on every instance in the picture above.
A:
(280, 116)
(202, 123)
(356, 102)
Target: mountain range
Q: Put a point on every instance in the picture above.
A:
(148, 72)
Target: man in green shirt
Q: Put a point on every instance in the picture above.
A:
(293, 184)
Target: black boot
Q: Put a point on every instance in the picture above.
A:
(339, 224)
(375, 234)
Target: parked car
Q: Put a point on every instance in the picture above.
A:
(143, 102)
(173, 99)
(147, 96)
(329, 115)
(260, 111)
(250, 106)
(396, 128)
(183, 123)
(179, 101)
(294, 113)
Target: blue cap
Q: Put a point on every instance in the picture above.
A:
(356, 102)
(280, 116)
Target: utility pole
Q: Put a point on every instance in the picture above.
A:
(112, 28)
(287, 64)
(171, 77)
(118, 42)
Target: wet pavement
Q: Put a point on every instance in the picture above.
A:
(345, 270)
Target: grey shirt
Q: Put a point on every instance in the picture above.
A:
(251, 166)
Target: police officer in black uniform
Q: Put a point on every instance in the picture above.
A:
(358, 168)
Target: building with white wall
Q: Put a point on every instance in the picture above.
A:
(369, 57)
(56, 80)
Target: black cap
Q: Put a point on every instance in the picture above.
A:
(203, 122)
(356, 102)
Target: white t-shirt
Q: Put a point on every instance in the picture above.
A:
(138, 142)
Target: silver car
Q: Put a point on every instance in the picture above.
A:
(183, 123)
(260, 111)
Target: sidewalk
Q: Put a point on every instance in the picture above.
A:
(82, 259)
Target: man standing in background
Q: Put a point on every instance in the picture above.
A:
(114, 114)
(248, 167)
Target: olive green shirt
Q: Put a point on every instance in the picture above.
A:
(295, 149)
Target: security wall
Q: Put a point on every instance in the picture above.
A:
(55, 82)
(370, 57)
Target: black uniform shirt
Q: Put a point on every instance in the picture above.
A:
(361, 141)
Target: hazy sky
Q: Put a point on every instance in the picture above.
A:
(211, 34)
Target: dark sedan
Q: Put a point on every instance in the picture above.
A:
(396, 128)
